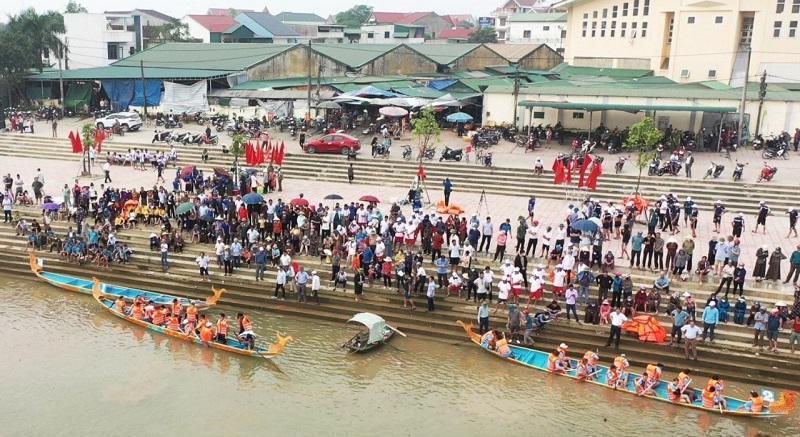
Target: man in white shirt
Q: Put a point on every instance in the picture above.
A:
(617, 320)
(503, 289)
(219, 248)
(533, 238)
(571, 297)
(559, 280)
(315, 285)
(107, 171)
(280, 284)
(202, 262)
(488, 230)
(430, 294)
(691, 335)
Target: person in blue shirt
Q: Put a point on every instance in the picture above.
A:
(531, 205)
(366, 259)
(448, 188)
(261, 263)
(710, 319)
(679, 318)
(441, 270)
(661, 284)
(506, 226)
(636, 249)
(616, 290)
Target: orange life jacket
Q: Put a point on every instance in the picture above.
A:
(671, 391)
(591, 357)
(653, 372)
(206, 334)
(621, 363)
(120, 305)
(137, 312)
(708, 398)
(552, 359)
(174, 323)
(177, 308)
(716, 383)
(158, 318)
(222, 327)
(757, 404)
(612, 376)
(191, 314)
(248, 326)
(683, 379)
(502, 347)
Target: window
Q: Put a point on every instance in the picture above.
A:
(792, 29)
(712, 74)
(594, 27)
(114, 50)
(633, 29)
(776, 30)
(605, 12)
(526, 34)
(538, 114)
(685, 74)
(545, 28)
(644, 29)
(594, 14)
(635, 8)
(622, 31)
(646, 10)
(781, 5)
(614, 11)
(625, 9)
(502, 22)
(577, 115)
(603, 30)
(671, 28)
(387, 35)
(586, 16)
(563, 33)
(584, 28)
(370, 35)
(795, 6)
(718, 20)
(690, 20)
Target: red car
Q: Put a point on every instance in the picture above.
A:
(333, 143)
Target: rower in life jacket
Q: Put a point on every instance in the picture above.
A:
(246, 334)
(488, 339)
(222, 329)
(756, 403)
(591, 361)
(554, 363)
(716, 382)
(684, 381)
(676, 394)
(711, 399)
(120, 305)
(502, 347)
(562, 356)
(177, 308)
(612, 377)
(621, 363)
(207, 333)
(649, 380)
(582, 371)
(174, 323)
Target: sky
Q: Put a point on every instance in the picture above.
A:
(323, 8)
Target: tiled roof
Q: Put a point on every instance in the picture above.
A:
(227, 11)
(457, 33)
(399, 17)
(214, 23)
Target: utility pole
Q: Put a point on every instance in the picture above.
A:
(144, 89)
(60, 86)
(516, 92)
(762, 93)
(740, 129)
(308, 108)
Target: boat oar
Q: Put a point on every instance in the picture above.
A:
(591, 374)
(648, 388)
(396, 330)
(686, 385)
(394, 347)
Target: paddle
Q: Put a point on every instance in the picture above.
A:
(394, 347)
(396, 330)
(648, 388)
(686, 385)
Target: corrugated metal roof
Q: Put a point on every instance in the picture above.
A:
(303, 17)
(633, 108)
(418, 91)
(267, 22)
(200, 56)
(538, 17)
(566, 70)
(443, 54)
(513, 52)
(117, 72)
(267, 94)
(353, 55)
(479, 85)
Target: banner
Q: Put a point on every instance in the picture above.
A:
(558, 172)
(151, 95)
(184, 98)
(597, 170)
(587, 161)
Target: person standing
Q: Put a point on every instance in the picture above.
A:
(617, 320)
(483, 317)
(792, 222)
(794, 266)
(689, 164)
(774, 321)
(301, 279)
(316, 284)
(107, 171)
(448, 188)
(280, 284)
(164, 251)
(710, 320)
(202, 261)
(763, 212)
(261, 263)
(486, 237)
(690, 334)
(430, 294)
(679, 317)
(571, 297)
(759, 326)
(350, 174)
(55, 129)
(794, 336)
(8, 205)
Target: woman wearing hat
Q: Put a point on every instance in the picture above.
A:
(760, 268)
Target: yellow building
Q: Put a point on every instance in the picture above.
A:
(687, 40)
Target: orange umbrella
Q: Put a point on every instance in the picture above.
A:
(647, 328)
(451, 209)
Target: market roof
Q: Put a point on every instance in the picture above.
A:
(228, 56)
(534, 17)
(514, 52)
(214, 23)
(443, 54)
(300, 17)
(131, 72)
(633, 108)
(566, 70)
(353, 55)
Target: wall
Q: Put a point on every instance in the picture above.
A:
(379, 32)
(478, 59)
(88, 37)
(542, 58)
(400, 61)
(433, 24)
(540, 33)
(196, 31)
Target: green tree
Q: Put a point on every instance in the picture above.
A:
(175, 31)
(17, 58)
(642, 141)
(237, 151)
(74, 7)
(87, 140)
(426, 129)
(355, 16)
(484, 35)
(42, 30)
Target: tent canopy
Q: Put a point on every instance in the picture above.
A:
(632, 108)
(373, 322)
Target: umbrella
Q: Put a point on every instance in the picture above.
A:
(187, 171)
(596, 221)
(585, 226)
(370, 199)
(393, 111)
(333, 197)
(459, 117)
(299, 202)
(646, 328)
(329, 105)
(50, 206)
(253, 199)
(221, 171)
(184, 207)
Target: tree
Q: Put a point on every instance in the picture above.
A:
(355, 16)
(42, 30)
(87, 138)
(425, 129)
(17, 58)
(484, 35)
(74, 7)
(642, 140)
(175, 31)
(237, 150)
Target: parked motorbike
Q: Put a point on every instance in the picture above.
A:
(714, 170)
(407, 152)
(781, 150)
(182, 137)
(430, 153)
(382, 150)
(449, 154)
(487, 160)
(620, 163)
(738, 170)
(162, 137)
(758, 142)
(767, 173)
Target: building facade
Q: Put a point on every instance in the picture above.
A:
(391, 33)
(207, 28)
(509, 8)
(538, 28)
(687, 40)
(97, 40)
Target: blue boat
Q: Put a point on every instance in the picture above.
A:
(538, 360)
(84, 286)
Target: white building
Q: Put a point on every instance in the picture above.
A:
(312, 26)
(207, 28)
(391, 33)
(541, 28)
(96, 40)
(511, 7)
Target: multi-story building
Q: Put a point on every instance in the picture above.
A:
(502, 14)
(538, 28)
(207, 28)
(687, 40)
(151, 22)
(312, 26)
(391, 33)
(431, 22)
(96, 40)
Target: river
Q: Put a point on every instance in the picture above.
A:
(71, 369)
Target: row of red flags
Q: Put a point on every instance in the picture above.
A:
(563, 173)
(256, 155)
(78, 147)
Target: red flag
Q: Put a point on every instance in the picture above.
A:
(558, 172)
(568, 172)
(259, 155)
(281, 154)
(273, 157)
(597, 170)
(587, 161)
(99, 136)
(77, 147)
(421, 173)
(270, 151)
(71, 137)
(248, 153)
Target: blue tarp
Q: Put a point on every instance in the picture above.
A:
(441, 84)
(120, 93)
(153, 88)
(370, 90)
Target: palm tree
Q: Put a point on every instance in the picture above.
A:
(42, 31)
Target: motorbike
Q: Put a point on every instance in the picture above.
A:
(620, 163)
(430, 153)
(162, 137)
(767, 173)
(658, 168)
(588, 147)
(714, 170)
(738, 170)
(449, 154)
(779, 151)
(407, 152)
(201, 139)
(382, 150)
(369, 130)
(487, 160)
(182, 137)
(758, 142)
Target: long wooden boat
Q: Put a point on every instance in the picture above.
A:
(84, 286)
(232, 345)
(538, 360)
(377, 332)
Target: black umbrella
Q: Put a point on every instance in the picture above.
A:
(333, 197)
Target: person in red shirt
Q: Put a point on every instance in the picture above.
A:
(437, 241)
(794, 337)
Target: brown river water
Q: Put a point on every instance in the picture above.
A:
(68, 368)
